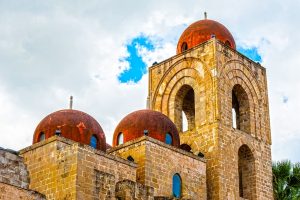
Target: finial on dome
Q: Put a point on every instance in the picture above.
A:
(71, 102)
(205, 15)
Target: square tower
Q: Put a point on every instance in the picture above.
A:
(222, 98)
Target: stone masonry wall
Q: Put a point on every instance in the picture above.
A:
(235, 69)
(12, 169)
(160, 162)
(63, 169)
(52, 166)
(195, 68)
(11, 192)
(101, 176)
(212, 70)
(138, 153)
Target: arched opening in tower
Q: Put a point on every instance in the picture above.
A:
(246, 170)
(185, 108)
(240, 109)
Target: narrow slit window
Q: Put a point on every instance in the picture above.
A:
(184, 47)
(93, 142)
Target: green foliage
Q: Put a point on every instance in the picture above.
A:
(286, 180)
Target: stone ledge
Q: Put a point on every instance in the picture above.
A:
(82, 146)
(45, 142)
(152, 140)
(9, 150)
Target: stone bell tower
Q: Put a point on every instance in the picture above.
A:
(222, 98)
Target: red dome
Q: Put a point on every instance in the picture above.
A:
(146, 122)
(201, 31)
(71, 124)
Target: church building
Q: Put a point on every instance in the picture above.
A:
(204, 135)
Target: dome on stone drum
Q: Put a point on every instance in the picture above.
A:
(146, 122)
(72, 124)
(201, 31)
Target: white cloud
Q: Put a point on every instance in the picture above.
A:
(51, 50)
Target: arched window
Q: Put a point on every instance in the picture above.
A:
(169, 139)
(120, 139)
(176, 186)
(185, 108)
(240, 109)
(246, 171)
(186, 147)
(235, 112)
(93, 142)
(42, 136)
(184, 47)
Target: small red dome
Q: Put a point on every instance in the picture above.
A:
(201, 31)
(71, 124)
(146, 122)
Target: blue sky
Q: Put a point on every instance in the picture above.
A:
(137, 67)
(251, 53)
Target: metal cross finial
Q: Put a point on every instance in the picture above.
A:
(71, 102)
(205, 15)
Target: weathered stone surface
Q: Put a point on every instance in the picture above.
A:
(205, 77)
(63, 169)
(158, 162)
(11, 192)
(12, 169)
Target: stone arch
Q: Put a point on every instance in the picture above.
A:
(237, 144)
(240, 109)
(194, 144)
(252, 128)
(185, 76)
(242, 141)
(172, 84)
(185, 102)
(235, 72)
(173, 100)
(186, 67)
(235, 68)
(246, 173)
